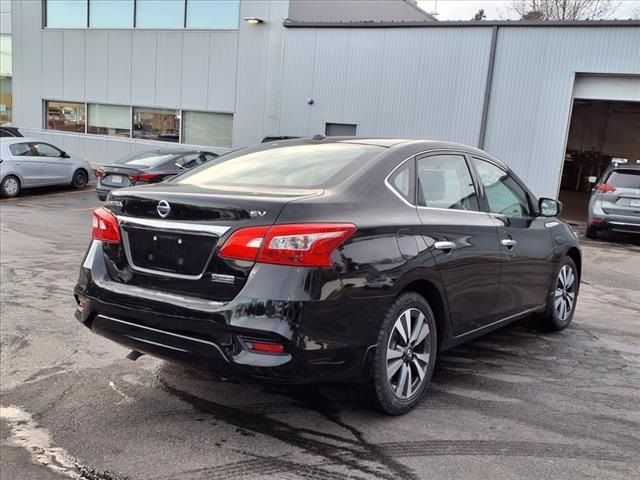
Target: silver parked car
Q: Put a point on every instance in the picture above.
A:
(29, 162)
(615, 201)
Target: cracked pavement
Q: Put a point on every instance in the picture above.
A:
(517, 403)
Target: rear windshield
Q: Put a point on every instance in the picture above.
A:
(148, 159)
(295, 166)
(624, 179)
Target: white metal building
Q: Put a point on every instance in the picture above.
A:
(298, 67)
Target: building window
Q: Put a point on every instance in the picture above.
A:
(6, 98)
(156, 124)
(160, 13)
(340, 130)
(66, 13)
(221, 14)
(66, 116)
(202, 128)
(111, 13)
(112, 120)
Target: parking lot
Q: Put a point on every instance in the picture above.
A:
(518, 403)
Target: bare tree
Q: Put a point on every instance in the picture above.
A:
(563, 9)
(480, 15)
(635, 13)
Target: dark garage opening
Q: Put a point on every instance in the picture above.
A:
(600, 131)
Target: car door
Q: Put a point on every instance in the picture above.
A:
(27, 164)
(464, 238)
(525, 240)
(56, 167)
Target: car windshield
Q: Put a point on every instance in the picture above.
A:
(624, 179)
(295, 166)
(145, 159)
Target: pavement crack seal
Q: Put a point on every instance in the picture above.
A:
(27, 434)
(125, 398)
(355, 455)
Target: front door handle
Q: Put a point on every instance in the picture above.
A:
(444, 245)
(508, 242)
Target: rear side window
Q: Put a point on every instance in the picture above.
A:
(444, 181)
(20, 149)
(294, 166)
(624, 179)
(402, 181)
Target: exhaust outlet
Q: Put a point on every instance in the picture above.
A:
(134, 355)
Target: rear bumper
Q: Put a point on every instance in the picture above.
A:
(614, 223)
(324, 340)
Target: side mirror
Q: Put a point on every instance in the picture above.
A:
(64, 155)
(549, 207)
(593, 179)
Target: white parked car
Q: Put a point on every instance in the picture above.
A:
(29, 162)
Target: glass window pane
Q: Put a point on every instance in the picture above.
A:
(67, 13)
(340, 129)
(6, 99)
(111, 13)
(66, 116)
(108, 120)
(20, 149)
(293, 166)
(46, 150)
(156, 124)
(445, 182)
(504, 195)
(160, 13)
(213, 14)
(201, 128)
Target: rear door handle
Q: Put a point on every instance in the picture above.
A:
(444, 245)
(508, 242)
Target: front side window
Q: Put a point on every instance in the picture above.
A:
(46, 150)
(66, 116)
(204, 128)
(295, 166)
(108, 120)
(20, 149)
(503, 193)
(160, 13)
(66, 13)
(444, 181)
(156, 124)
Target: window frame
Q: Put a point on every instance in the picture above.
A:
(45, 115)
(533, 209)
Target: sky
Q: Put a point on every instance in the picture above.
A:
(465, 9)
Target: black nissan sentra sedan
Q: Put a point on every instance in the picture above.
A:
(327, 259)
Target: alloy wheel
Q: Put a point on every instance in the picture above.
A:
(408, 353)
(11, 186)
(565, 293)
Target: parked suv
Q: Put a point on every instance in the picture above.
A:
(327, 259)
(615, 201)
(147, 167)
(28, 162)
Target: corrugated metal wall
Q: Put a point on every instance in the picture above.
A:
(430, 83)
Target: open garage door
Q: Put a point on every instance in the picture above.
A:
(605, 124)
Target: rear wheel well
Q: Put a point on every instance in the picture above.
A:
(432, 295)
(574, 254)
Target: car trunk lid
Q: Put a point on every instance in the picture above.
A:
(171, 235)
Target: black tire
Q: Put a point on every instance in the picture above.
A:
(381, 389)
(80, 178)
(10, 186)
(552, 318)
(102, 198)
(591, 232)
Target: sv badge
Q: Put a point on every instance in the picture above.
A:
(257, 213)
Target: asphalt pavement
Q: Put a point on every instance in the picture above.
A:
(517, 403)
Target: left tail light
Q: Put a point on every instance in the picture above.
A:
(605, 188)
(100, 173)
(302, 245)
(104, 226)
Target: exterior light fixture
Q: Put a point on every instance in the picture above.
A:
(253, 20)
